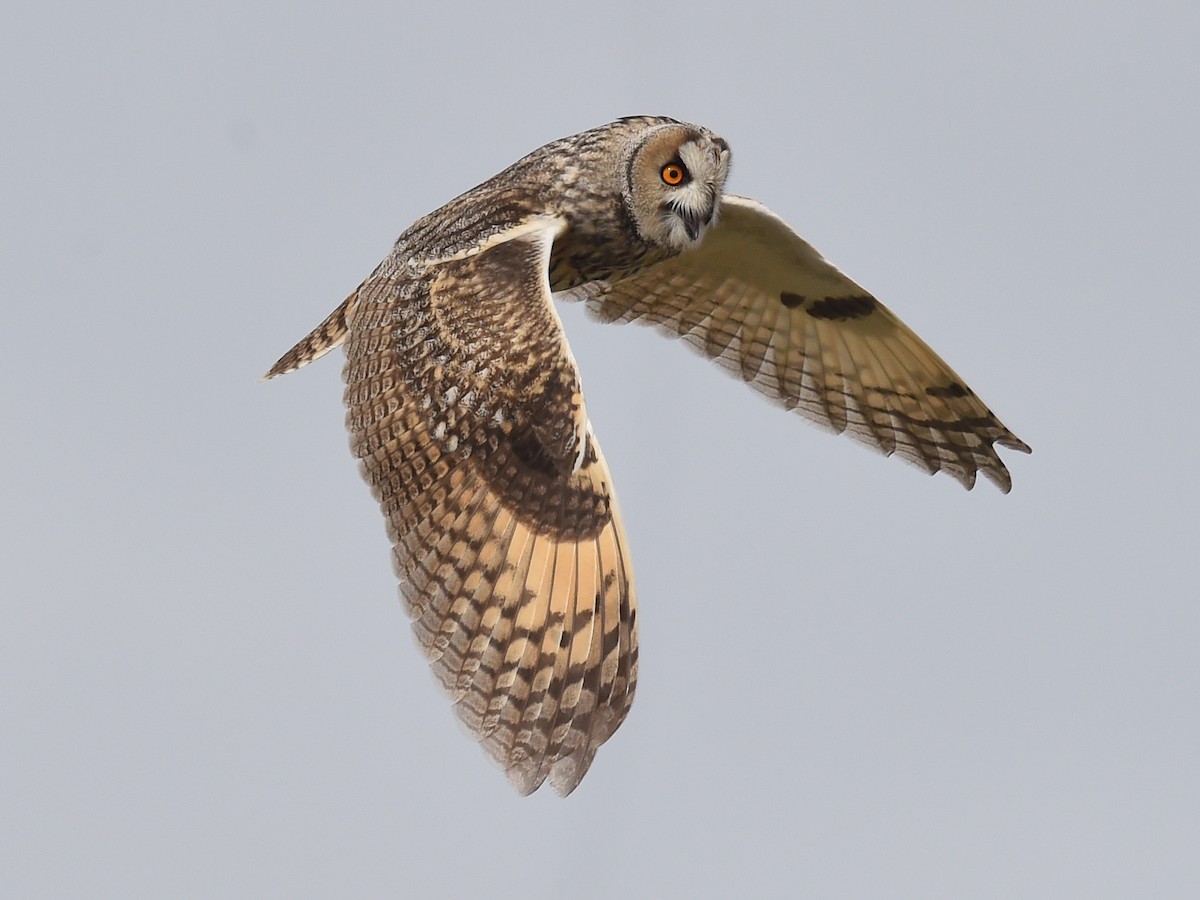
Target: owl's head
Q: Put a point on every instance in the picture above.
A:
(674, 179)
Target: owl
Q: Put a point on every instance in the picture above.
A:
(469, 421)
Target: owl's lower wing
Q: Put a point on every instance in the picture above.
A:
(466, 412)
(762, 302)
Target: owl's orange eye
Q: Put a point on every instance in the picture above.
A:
(673, 174)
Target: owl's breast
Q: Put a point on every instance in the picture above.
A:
(584, 254)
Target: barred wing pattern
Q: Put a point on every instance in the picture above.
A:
(765, 305)
(466, 412)
(325, 337)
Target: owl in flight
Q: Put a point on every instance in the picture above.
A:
(468, 417)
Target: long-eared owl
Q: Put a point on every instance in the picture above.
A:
(468, 418)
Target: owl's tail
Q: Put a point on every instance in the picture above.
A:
(326, 336)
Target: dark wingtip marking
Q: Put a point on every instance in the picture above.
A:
(791, 301)
(954, 389)
(1012, 442)
(842, 308)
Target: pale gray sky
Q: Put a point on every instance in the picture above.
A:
(856, 681)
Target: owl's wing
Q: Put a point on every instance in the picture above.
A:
(466, 412)
(757, 298)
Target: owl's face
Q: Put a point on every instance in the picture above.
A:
(674, 180)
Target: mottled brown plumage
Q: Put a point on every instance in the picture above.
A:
(468, 418)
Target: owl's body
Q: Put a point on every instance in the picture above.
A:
(573, 178)
(467, 413)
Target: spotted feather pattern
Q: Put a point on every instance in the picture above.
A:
(498, 502)
(759, 300)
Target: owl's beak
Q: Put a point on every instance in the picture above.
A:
(693, 220)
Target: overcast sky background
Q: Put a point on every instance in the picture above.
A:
(856, 681)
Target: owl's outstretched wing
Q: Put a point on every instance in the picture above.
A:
(466, 412)
(757, 298)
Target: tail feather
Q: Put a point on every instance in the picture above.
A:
(325, 337)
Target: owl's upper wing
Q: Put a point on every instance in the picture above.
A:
(466, 411)
(760, 300)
